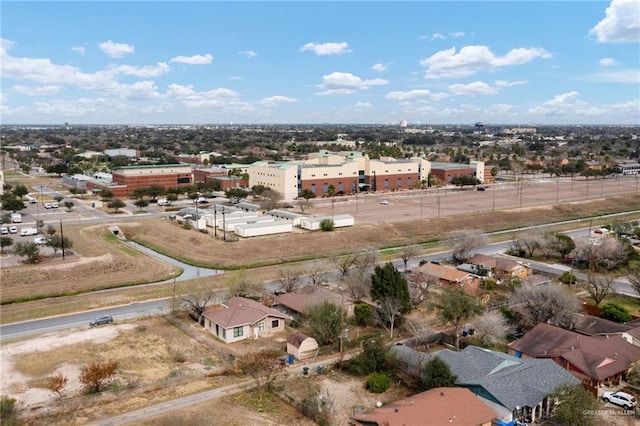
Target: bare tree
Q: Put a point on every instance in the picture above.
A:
(344, 263)
(95, 375)
(264, 367)
(366, 259)
(271, 199)
(357, 285)
(545, 303)
(492, 327)
(408, 252)
(531, 240)
(242, 284)
(388, 312)
(421, 330)
(598, 287)
(464, 243)
(56, 383)
(289, 279)
(633, 276)
(419, 286)
(196, 303)
(597, 254)
(317, 272)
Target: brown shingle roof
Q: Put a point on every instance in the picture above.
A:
(593, 326)
(435, 407)
(239, 311)
(598, 358)
(296, 339)
(303, 299)
(441, 272)
(494, 262)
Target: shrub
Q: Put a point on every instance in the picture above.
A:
(363, 314)
(615, 312)
(568, 278)
(377, 382)
(7, 406)
(327, 224)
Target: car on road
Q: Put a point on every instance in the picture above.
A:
(40, 241)
(481, 188)
(4, 230)
(385, 202)
(13, 230)
(101, 320)
(623, 399)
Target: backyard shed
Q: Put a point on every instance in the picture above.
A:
(302, 347)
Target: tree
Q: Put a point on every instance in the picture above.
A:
(437, 374)
(58, 168)
(492, 327)
(564, 244)
(306, 194)
(419, 287)
(56, 242)
(615, 312)
(599, 287)
(545, 303)
(56, 383)
(462, 181)
(388, 312)
(324, 320)
(139, 193)
(95, 375)
(289, 279)
(264, 367)
(106, 194)
(453, 306)
(196, 304)
(235, 194)
(20, 191)
(633, 275)
(464, 243)
(7, 410)
(363, 312)
(421, 330)
(374, 357)
(141, 204)
(116, 204)
(408, 251)
(327, 225)
(68, 205)
(12, 204)
(377, 382)
(5, 242)
(388, 283)
(271, 199)
(357, 285)
(29, 250)
(344, 263)
(575, 405)
(316, 272)
(243, 285)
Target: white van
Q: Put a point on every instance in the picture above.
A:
(16, 217)
(25, 232)
(164, 202)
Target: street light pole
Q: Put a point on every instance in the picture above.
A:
(61, 239)
(224, 226)
(215, 221)
(557, 189)
(493, 206)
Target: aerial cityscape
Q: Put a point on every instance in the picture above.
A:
(320, 213)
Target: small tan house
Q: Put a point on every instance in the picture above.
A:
(301, 346)
(239, 318)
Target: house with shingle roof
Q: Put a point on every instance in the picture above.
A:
(501, 267)
(450, 277)
(595, 360)
(240, 318)
(507, 384)
(299, 302)
(435, 407)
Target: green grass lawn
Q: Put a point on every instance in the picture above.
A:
(632, 304)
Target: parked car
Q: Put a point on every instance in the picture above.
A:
(385, 202)
(101, 320)
(481, 188)
(623, 399)
(201, 200)
(48, 206)
(54, 205)
(4, 230)
(40, 241)
(13, 230)
(25, 232)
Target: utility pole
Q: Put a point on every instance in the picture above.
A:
(224, 226)
(557, 189)
(215, 221)
(61, 239)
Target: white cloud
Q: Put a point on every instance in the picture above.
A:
(5, 45)
(621, 76)
(621, 23)
(363, 105)
(224, 100)
(115, 50)
(275, 100)
(438, 36)
(457, 34)
(321, 49)
(380, 67)
(607, 62)
(145, 71)
(567, 107)
(344, 83)
(235, 77)
(481, 88)
(194, 60)
(139, 91)
(248, 53)
(36, 90)
(416, 95)
(78, 49)
(471, 59)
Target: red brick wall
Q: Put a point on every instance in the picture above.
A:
(393, 181)
(348, 183)
(203, 175)
(446, 175)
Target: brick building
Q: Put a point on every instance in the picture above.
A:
(126, 179)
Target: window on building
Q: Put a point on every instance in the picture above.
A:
(237, 331)
(409, 182)
(313, 188)
(325, 188)
(275, 323)
(184, 180)
(340, 187)
(261, 326)
(399, 183)
(386, 183)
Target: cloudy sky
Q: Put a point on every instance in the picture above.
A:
(158, 62)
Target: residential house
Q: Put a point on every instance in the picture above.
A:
(502, 267)
(299, 302)
(451, 277)
(301, 346)
(536, 279)
(511, 386)
(594, 360)
(239, 318)
(435, 407)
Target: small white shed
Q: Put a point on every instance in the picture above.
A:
(301, 346)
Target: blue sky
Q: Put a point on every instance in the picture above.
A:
(429, 62)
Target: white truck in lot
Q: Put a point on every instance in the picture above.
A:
(25, 232)
(16, 218)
